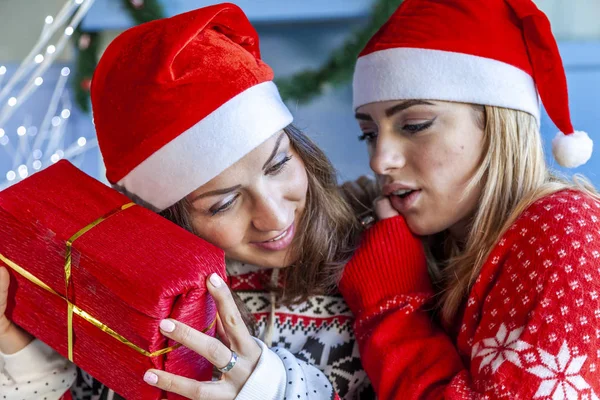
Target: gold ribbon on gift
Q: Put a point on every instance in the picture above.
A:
(72, 308)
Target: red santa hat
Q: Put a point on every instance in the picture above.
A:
(177, 101)
(490, 52)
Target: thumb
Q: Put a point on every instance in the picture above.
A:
(384, 209)
(4, 282)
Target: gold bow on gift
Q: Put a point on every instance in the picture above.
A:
(72, 308)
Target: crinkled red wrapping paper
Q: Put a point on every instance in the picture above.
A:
(130, 272)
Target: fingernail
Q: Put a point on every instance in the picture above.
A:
(151, 378)
(167, 326)
(216, 280)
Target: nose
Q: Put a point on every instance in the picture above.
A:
(271, 213)
(387, 155)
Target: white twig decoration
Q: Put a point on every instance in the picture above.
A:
(49, 140)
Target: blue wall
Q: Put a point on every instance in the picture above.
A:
(582, 63)
(110, 14)
(290, 48)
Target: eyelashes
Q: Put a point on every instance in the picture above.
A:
(225, 206)
(415, 128)
(274, 170)
(367, 137)
(411, 129)
(277, 168)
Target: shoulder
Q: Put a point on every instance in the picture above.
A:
(561, 230)
(571, 202)
(564, 214)
(551, 251)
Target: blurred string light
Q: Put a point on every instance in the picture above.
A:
(2, 73)
(34, 147)
(23, 172)
(35, 64)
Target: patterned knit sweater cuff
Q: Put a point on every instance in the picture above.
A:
(390, 261)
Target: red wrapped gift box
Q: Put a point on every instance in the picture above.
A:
(129, 271)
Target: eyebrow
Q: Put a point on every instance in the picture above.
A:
(404, 105)
(220, 192)
(216, 192)
(277, 143)
(394, 109)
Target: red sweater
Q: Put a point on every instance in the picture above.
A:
(529, 329)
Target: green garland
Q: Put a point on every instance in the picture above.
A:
(338, 69)
(301, 87)
(84, 67)
(149, 11)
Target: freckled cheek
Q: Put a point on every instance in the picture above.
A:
(435, 170)
(431, 163)
(460, 165)
(467, 156)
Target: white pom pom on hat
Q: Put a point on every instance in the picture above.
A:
(572, 150)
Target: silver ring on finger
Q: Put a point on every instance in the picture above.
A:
(231, 363)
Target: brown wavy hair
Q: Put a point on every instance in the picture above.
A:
(327, 235)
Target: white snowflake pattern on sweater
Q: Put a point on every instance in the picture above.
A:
(546, 267)
(560, 374)
(505, 346)
(529, 328)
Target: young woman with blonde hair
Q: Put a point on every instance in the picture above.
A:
(507, 304)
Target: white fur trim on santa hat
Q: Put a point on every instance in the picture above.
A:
(209, 147)
(408, 73)
(572, 151)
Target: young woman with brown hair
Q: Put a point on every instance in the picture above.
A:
(191, 125)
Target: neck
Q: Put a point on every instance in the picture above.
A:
(459, 233)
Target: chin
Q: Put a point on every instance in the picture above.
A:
(419, 227)
(275, 260)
